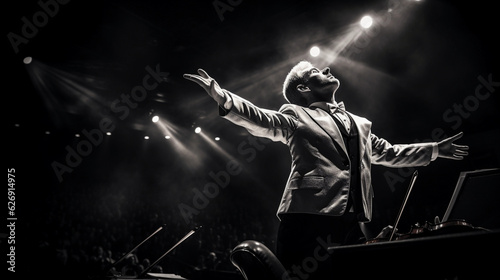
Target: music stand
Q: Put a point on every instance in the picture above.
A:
(476, 199)
(147, 269)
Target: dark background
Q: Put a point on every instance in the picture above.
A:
(404, 74)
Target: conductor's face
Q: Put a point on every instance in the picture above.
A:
(320, 83)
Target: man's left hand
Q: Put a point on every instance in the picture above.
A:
(447, 149)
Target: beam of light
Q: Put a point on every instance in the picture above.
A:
(348, 37)
(65, 92)
(171, 132)
(217, 147)
(357, 36)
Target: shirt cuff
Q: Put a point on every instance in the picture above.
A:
(435, 151)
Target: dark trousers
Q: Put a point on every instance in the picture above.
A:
(303, 240)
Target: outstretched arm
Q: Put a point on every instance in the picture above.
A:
(271, 124)
(448, 149)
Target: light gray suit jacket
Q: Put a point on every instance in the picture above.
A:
(319, 178)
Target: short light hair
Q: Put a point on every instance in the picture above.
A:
(292, 80)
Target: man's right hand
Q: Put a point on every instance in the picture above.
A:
(209, 85)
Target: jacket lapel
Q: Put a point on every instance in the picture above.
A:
(327, 124)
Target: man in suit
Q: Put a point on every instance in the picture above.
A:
(328, 194)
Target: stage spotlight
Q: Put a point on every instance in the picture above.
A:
(155, 119)
(217, 138)
(197, 130)
(108, 133)
(146, 137)
(27, 60)
(167, 137)
(314, 51)
(366, 21)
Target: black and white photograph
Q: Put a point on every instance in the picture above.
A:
(251, 140)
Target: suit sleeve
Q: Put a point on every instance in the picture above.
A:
(275, 125)
(401, 155)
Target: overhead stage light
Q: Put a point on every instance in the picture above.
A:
(27, 60)
(155, 119)
(314, 51)
(366, 21)
(197, 130)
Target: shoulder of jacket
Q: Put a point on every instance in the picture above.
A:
(291, 108)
